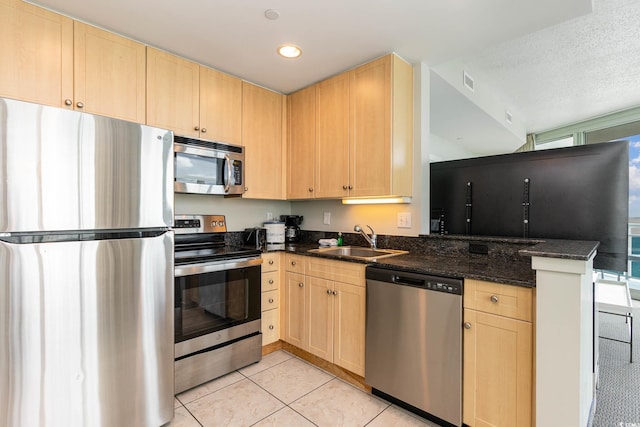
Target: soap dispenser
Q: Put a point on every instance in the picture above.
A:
(339, 238)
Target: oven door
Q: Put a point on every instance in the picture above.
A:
(206, 171)
(216, 303)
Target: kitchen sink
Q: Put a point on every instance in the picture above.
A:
(358, 252)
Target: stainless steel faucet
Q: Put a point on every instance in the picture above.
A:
(372, 240)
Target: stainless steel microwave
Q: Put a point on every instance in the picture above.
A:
(206, 167)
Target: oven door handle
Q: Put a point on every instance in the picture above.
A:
(210, 267)
(227, 185)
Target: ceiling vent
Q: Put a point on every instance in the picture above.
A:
(468, 82)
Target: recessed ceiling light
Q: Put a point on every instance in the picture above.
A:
(272, 14)
(289, 51)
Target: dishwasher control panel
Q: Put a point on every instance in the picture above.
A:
(450, 285)
(444, 287)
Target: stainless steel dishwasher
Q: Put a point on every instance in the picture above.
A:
(414, 342)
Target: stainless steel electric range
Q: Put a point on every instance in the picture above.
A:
(217, 302)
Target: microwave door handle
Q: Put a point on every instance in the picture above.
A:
(227, 184)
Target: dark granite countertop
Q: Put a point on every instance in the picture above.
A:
(449, 256)
(471, 267)
(580, 250)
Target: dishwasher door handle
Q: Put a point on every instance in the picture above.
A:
(407, 280)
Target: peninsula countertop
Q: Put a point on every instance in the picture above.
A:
(512, 271)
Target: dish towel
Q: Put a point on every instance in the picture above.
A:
(328, 242)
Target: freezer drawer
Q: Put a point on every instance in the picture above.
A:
(86, 333)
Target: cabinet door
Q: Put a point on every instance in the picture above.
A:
(332, 139)
(301, 144)
(349, 327)
(320, 317)
(262, 138)
(37, 54)
(172, 93)
(220, 106)
(109, 74)
(497, 385)
(370, 128)
(295, 310)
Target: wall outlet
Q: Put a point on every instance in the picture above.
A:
(269, 216)
(327, 218)
(404, 219)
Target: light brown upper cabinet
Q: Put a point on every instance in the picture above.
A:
(37, 54)
(220, 106)
(173, 93)
(193, 100)
(332, 133)
(363, 133)
(109, 74)
(381, 128)
(53, 60)
(301, 110)
(262, 135)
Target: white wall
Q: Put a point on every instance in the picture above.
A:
(240, 213)
(484, 97)
(441, 149)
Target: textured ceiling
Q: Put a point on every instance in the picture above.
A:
(553, 62)
(236, 37)
(586, 67)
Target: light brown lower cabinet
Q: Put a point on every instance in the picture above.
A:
(498, 355)
(325, 310)
(270, 301)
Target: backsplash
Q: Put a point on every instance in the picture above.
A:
(496, 248)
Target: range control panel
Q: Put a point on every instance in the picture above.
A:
(189, 224)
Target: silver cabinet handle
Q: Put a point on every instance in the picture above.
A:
(351, 187)
(204, 130)
(79, 105)
(301, 284)
(196, 128)
(270, 262)
(328, 291)
(467, 325)
(271, 281)
(270, 300)
(271, 327)
(494, 298)
(246, 188)
(335, 293)
(310, 190)
(344, 187)
(293, 263)
(68, 102)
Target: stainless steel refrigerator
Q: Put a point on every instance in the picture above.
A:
(86, 270)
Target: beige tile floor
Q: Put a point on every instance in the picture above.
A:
(283, 390)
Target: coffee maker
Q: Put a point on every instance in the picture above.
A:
(291, 227)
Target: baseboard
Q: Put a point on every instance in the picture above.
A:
(336, 370)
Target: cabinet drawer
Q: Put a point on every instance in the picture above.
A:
(270, 281)
(270, 262)
(270, 300)
(295, 263)
(496, 298)
(339, 271)
(270, 326)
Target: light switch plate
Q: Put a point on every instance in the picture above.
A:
(404, 219)
(327, 218)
